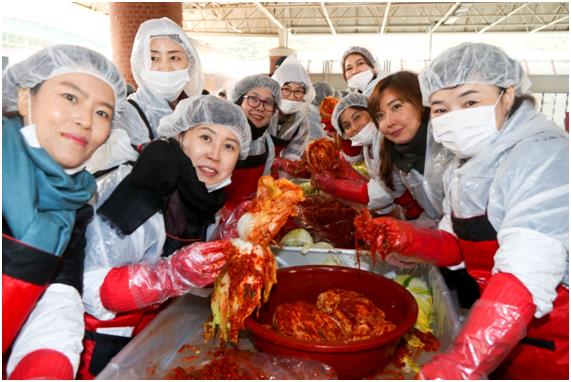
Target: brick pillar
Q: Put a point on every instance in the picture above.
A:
(125, 20)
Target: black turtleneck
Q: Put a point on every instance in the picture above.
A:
(412, 154)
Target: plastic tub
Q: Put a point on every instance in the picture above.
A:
(353, 360)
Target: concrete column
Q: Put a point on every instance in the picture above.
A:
(125, 20)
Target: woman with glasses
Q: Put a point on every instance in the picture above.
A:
(291, 132)
(258, 96)
(167, 68)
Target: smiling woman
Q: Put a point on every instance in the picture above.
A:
(72, 114)
(58, 107)
(146, 242)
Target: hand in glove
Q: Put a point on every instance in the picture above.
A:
(411, 207)
(139, 285)
(388, 236)
(348, 148)
(353, 189)
(293, 167)
(497, 322)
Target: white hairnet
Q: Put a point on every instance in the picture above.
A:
(292, 71)
(141, 55)
(322, 90)
(351, 100)
(54, 61)
(207, 110)
(256, 81)
(359, 50)
(472, 63)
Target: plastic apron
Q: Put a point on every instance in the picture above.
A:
(245, 179)
(544, 352)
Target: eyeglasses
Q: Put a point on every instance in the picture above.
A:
(297, 93)
(254, 101)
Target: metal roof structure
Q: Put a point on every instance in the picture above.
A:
(308, 18)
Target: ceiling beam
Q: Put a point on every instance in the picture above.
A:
(268, 14)
(446, 16)
(385, 17)
(502, 18)
(326, 15)
(550, 24)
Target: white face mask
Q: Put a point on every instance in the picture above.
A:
(290, 107)
(167, 85)
(463, 131)
(365, 136)
(219, 185)
(360, 80)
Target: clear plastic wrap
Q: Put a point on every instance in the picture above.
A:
(174, 340)
(194, 266)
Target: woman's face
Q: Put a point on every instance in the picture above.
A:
(213, 150)
(293, 91)
(397, 120)
(72, 113)
(472, 95)
(167, 55)
(259, 115)
(355, 63)
(353, 120)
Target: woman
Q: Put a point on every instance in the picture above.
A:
(139, 249)
(506, 217)
(258, 96)
(291, 132)
(353, 123)
(358, 68)
(167, 68)
(408, 151)
(58, 107)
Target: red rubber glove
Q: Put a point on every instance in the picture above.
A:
(139, 285)
(353, 189)
(497, 322)
(411, 207)
(406, 243)
(43, 364)
(349, 149)
(293, 167)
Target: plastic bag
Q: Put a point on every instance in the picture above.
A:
(198, 362)
(327, 220)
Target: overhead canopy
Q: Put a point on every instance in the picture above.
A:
(269, 18)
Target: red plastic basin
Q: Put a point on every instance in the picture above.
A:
(355, 360)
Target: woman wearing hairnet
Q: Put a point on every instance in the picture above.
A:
(140, 249)
(58, 107)
(506, 217)
(358, 68)
(353, 123)
(167, 68)
(291, 132)
(258, 96)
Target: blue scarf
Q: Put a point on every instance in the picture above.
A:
(39, 199)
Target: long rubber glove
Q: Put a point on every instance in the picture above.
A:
(497, 322)
(389, 236)
(43, 364)
(293, 167)
(411, 207)
(136, 286)
(355, 190)
(348, 148)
